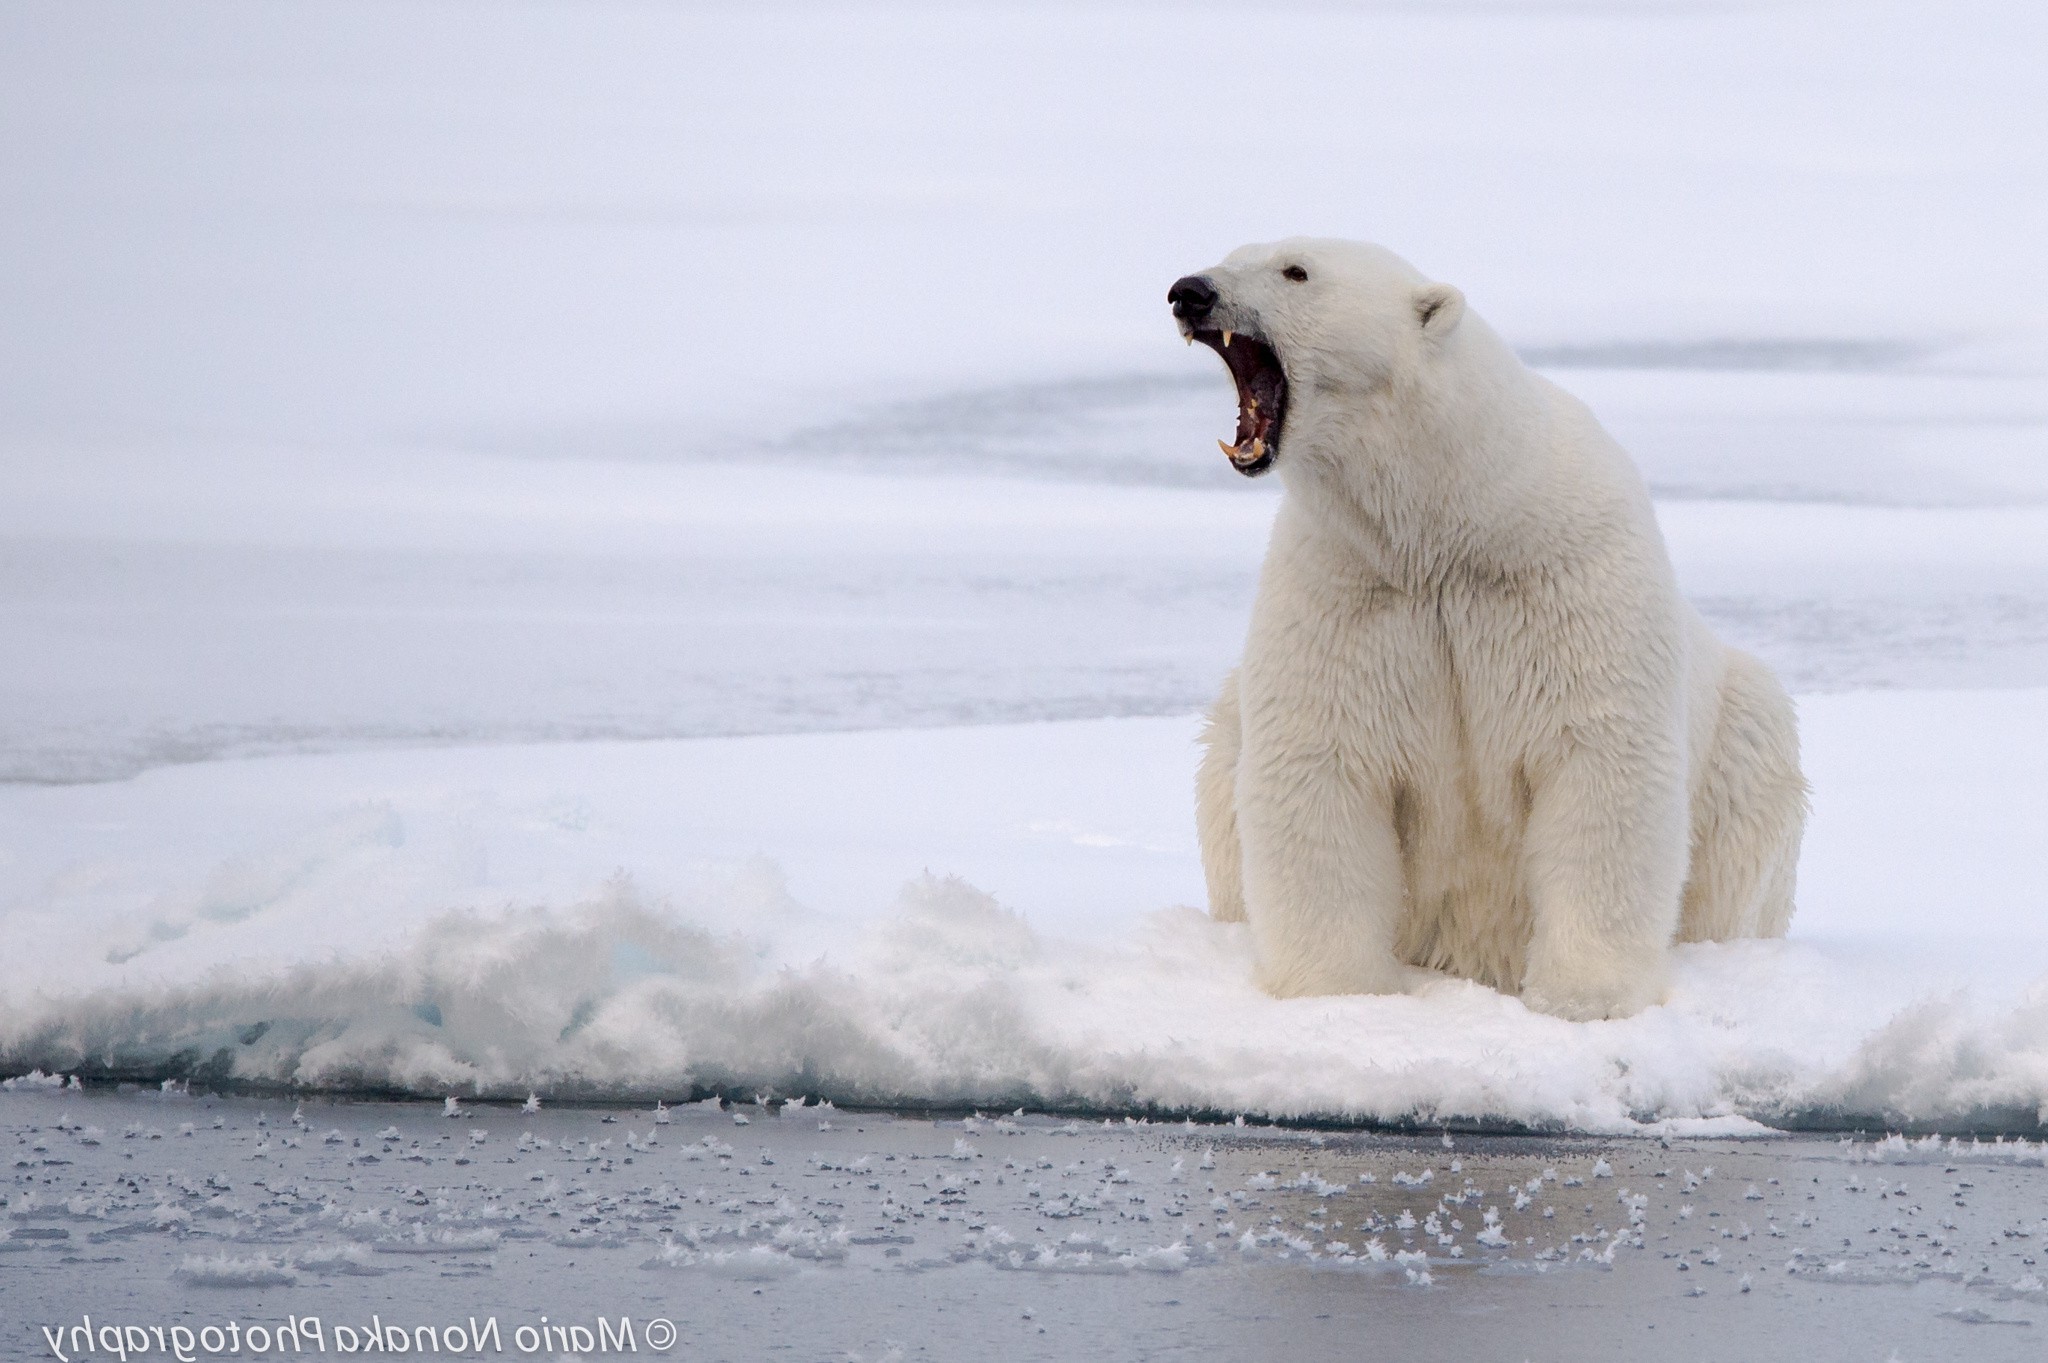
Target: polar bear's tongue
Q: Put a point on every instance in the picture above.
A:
(1261, 399)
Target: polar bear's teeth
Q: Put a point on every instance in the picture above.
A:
(1226, 339)
(1258, 446)
(1231, 450)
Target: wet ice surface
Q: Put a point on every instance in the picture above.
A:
(812, 1232)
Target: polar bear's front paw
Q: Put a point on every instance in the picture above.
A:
(1589, 999)
(1317, 978)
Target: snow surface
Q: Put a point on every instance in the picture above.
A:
(411, 404)
(731, 914)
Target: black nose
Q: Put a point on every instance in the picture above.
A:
(1192, 296)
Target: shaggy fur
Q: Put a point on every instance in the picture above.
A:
(1476, 728)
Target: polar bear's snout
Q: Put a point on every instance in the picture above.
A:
(1192, 297)
(1253, 363)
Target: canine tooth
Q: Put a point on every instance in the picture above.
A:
(1231, 450)
(1226, 339)
(1258, 448)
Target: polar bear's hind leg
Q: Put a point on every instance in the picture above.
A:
(1748, 811)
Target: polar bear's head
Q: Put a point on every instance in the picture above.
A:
(1307, 319)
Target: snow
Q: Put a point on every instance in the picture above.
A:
(530, 224)
(979, 917)
(394, 375)
(607, 549)
(225, 1270)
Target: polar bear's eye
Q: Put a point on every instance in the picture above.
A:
(1296, 273)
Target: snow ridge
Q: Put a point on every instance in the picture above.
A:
(952, 1000)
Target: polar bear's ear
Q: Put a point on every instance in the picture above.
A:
(1438, 307)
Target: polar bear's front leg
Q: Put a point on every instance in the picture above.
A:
(1323, 884)
(1605, 850)
(1216, 807)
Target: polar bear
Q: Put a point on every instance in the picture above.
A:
(1476, 728)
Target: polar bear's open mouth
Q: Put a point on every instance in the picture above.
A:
(1261, 398)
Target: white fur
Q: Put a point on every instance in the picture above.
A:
(1476, 728)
